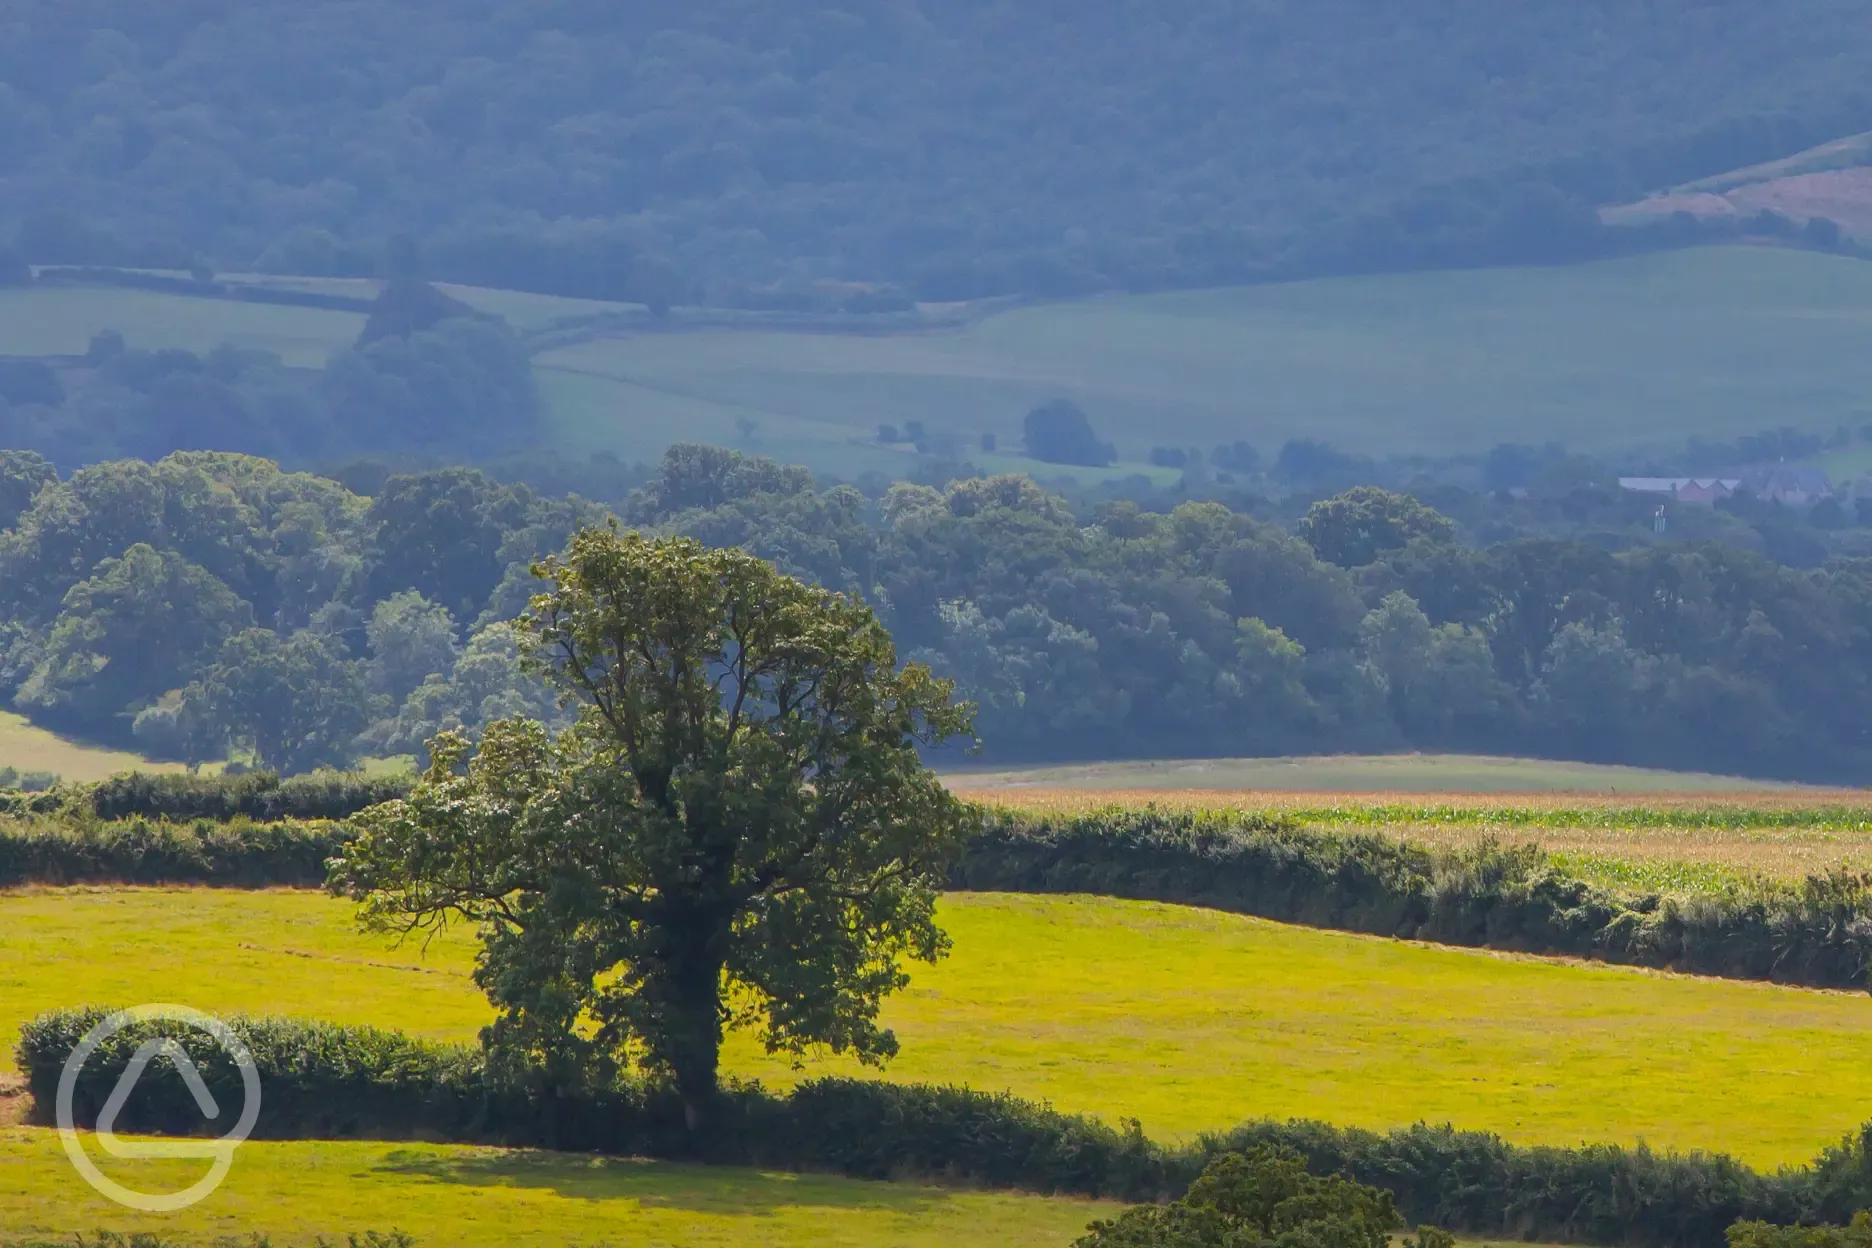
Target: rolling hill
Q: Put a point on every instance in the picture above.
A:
(962, 148)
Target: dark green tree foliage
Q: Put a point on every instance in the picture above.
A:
(1263, 1199)
(1359, 526)
(737, 831)
(1765, 1235)
(22, 473)
(293, 703)
(1060, 433)
(138, 626)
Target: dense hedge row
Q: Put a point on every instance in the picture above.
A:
(238, 852)
(322, 1081)
(256, 795)
(259, 795)
(1818, 932)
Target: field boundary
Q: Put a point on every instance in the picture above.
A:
(329, 1082)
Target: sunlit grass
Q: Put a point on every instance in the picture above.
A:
(25, 747)
(452, 1197)
(1186, 1019)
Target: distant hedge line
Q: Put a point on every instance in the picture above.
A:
(1816, 933)
(238, 853)
(324, 1081)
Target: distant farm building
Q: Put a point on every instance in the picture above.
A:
(1704, 490)
(1781, 483)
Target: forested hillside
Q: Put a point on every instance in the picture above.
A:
(209, 601)
(969, 147)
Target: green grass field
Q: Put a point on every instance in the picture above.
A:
(1642, 351)
(1346, 773)
(61, 321)
(1635, 352)
(25, 747)
(486, 1198)
(1186, 1019)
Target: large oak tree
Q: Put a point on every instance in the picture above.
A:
(738, 830)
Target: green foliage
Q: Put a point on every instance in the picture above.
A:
(411, 639)
(295, 703)
(1365, 523)
(741, 799)
(258, 795)
(1858, 1234)
(143, 850)
(1265, 1197)
(141, 624)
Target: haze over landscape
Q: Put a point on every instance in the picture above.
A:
(1182, 625)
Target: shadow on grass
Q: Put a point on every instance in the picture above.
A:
(721, 1190)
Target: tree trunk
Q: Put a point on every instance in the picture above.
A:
(695, 1033)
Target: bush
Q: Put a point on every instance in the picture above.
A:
(323, 1080)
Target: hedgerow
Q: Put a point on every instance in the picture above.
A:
(323, 1081)
(1815, 932)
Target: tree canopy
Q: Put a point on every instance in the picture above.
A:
(738, 829)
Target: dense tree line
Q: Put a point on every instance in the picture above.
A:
(210, 600)
(662, 151)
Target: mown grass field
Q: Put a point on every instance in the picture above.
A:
(1643, 351)
(487, 1198)
(1186, 1019)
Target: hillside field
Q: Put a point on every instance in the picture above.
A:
(1187, 1019)
(26, 747)
(1641, 352)
(1636, 352)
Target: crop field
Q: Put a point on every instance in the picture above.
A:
(1353, 774)
(1642, 351)
(474, 1197)
(1184, 1018)
(1663, 840)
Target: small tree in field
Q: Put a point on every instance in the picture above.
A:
(738, 831)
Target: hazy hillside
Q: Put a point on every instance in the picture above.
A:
(956, 148)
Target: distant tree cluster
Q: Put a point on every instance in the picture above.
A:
(209, 602)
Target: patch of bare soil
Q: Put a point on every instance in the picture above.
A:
(15, 1101)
